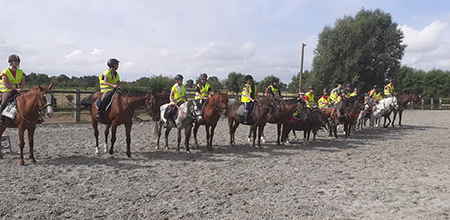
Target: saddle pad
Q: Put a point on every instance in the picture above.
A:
(240, 111)
(108, 101)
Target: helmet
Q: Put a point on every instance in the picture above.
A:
(375, 86)
(355, 89)
(343, 92)
(310, 87)
(247, 77)
(178, 77)
(203, 76)
(348, 85)
(13, 57)
(111, 62)
(301, 93)
(340, 82)
(274, 79)
(325, 90)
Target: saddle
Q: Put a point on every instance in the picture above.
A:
(10, 109)
(108, 101)
(241, 110)
(171, 112)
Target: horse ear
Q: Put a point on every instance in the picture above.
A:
(40, 88)
(50, 86)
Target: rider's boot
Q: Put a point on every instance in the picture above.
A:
(100, 109)
(245, 116)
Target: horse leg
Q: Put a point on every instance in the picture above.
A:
(208, 136)
(21, 144)
(230, 129)
(113, 138)
(159, 127)
(187, 134)
(2, 129)
(278, 133)
(95, 126)
(195, 134)
(253, 129)
(31, 143)
(128, 134)
(304, 136)
(295, 136)
(235, 126)
(166, 137)
(211, 135)
(249, 135)
(260, 132)
(393, 118)
(179, 139)
(107, 126)
(400, 118)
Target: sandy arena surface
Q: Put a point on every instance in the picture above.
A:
(394, 173)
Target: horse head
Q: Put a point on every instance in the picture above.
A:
(153, 104)
(415, 97)
(45, 99)
(197, 111)
(220, 100)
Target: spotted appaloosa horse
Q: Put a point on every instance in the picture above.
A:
(30, 110)
(216, 106)
(121, 112)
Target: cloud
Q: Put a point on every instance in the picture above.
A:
(97, 52)
(218, 51)
(425, 40)
(164, 52)
(63, 41)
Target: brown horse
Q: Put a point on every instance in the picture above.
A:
(402, 100)
(215, 106)
(30, 111)
(331, 117)
(257, 121)
(352, 108)
(121, 112)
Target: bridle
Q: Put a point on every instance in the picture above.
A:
(41, 112)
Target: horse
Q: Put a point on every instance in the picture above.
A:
(348, 111)
(366, 111)
(215, 106)
(288, 107)
(257, 121)
(187, 114)
(309, 121)
(383, 109)
(402, 100)
(121, 112)
(331, 117)
(30, 111)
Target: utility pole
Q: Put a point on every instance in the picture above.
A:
(301, 69)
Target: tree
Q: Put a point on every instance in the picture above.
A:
(190, 83)
(156, 83)
(215, 83)
(363, 50)
(235, 82)
(308, 79)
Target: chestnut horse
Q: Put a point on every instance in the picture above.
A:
(257, 121)
(216, 105)
(30, 111)
(121, 112)
(402, 100)
(331, 117)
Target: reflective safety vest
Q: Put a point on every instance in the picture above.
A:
(335, 94)
(379, 97)
(388, 89)
(111, 79)
(179, 96)
(324, 101)
(353, 94)
(203, 91)
(246, 97)
(274, 90)
(12, 81)
(310, 98)
(373, 93)
(339, 99)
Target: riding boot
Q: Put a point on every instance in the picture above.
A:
(99, 110)
(245, 116)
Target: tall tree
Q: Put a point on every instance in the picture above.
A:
(362, 50)
(190, 83)
(235, 82)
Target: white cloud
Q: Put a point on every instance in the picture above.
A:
(425, 40)
(63, 41)
(164, 52)
(218, 51)
(97, 52)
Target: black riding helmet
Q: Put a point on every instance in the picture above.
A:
(178, 77)
(325, 90)
(13, 57)
(247, 77)
(310, 87)
(375, 86)
(203, 76)
(111, 62)
(274, 80)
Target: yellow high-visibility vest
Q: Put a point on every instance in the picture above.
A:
(111, 79)
(203, 91)
(12, 81)
(179, 96)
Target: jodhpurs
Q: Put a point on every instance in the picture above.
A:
(5, 98)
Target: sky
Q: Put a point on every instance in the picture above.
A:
(257, 37)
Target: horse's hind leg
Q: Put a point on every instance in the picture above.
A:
(128, 134)
(107, 126)
(166, 137)
(187, 134)
(196, 126)
(21, 144)
(179, 139)
(249, 135)
(159, 127)
(95, 126)
(211, 135)
(113, 138)
(31, 143)
(208, 136)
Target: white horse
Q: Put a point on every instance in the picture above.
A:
(362, 118)
(383, 108)
(188, 112)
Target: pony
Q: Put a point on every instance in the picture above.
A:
(257, 121)
(383, 109)
(121, 112)
(187, 114)
(215, 106)
(402, 100)
(30, 111)
(365, 113)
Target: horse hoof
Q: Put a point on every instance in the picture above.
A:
(32, 160)
(188, 152)
(249, 139)
(97, 151)
(1, 156)
(21, 162)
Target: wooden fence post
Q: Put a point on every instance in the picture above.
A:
(440, 103)
(421, 103)
(432, 103)
(77, 106)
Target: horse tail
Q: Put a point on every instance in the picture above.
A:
(88, 101)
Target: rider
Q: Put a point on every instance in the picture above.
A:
(348, 89)
(325, 100)
(379, 95)
(249, 96)
(11, 83)
(177, 97)
(336, 92)
(108, 80)
(354, 93)
(203, 89)
(389, 89)
(273, 88)
(342, 97)
(309, 98)
(373, 93)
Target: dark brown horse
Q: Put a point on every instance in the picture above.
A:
(121, 112)
(258, 119)
(402, 100)
(216, 105)
(331, 117)
(30, 111)
(351, 109)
